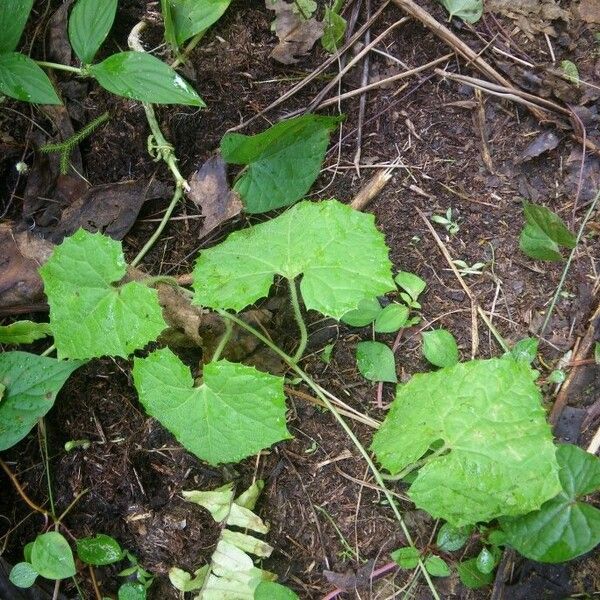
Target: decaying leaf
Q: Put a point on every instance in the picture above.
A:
(531, 16)
(296, 34)
(21, 254)
(111, 209)
(589, 11)
(210, 191)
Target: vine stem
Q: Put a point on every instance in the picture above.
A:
(59, 67)
(48, 350)
(21, 491)
(569, 261)
(161, 226)
(182, 57)
(162, 150)
(317, 390)
(223, 341)
(299, 319)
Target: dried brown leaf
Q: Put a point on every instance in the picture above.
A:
(21, 255)
(296, 34)
(531, 16)
(210, 191)
(589, 11)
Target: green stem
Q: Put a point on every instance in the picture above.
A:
(140, 255)
(313, 385)
(569, 261)
(59, 67)
(46, 461)
(48, 351)
(299, 320)
(182, 57)
(416, 465)
(223, 341)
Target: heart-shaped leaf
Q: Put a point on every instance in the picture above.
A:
(496, 455)
(90, 313)
(339, 251)
(564, 527)
(31, 383)
(236, 412)
(283, 161)
(52, 557)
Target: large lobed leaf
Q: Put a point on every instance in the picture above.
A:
(236, 412)
(500, 457)
(283, 161)
(31, 383)
(90, 313)
(564, 527)
(339, 251)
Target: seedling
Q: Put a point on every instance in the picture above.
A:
(464, 269)
(449, 223)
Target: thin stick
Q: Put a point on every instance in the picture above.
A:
(21, 491)
(314, 74)
(363, 98)
(465, 287)
(95, 583)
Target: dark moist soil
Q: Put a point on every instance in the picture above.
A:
(324, 510)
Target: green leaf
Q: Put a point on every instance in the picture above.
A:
(89, 24)
(13, 17)
(190, 17)
(99, 550)
(499, 457)
(563, 528)
(550, 223)
(571, 71)
(335, 28)
(471, 576)
(235, 413)
(51, 556)
(537, 245)
(23, 575)
(557, 376)
(391, 318)
(184, 581)
(485, 561)
(367, 311)
(436, 566)
(376, 362)
(342, 255)
(406, 558)
(597, 353)
(170, 38)
(525, 350)
(24, 332)
(271, 590)
(410, 283)
(90, 313)
(283, 161)
(451, 538)
(469, 11)
(22, 79)
(27, 551)
(439, 348)
(132, 591)
(141, 76)
(544, 233)
(31, 383)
